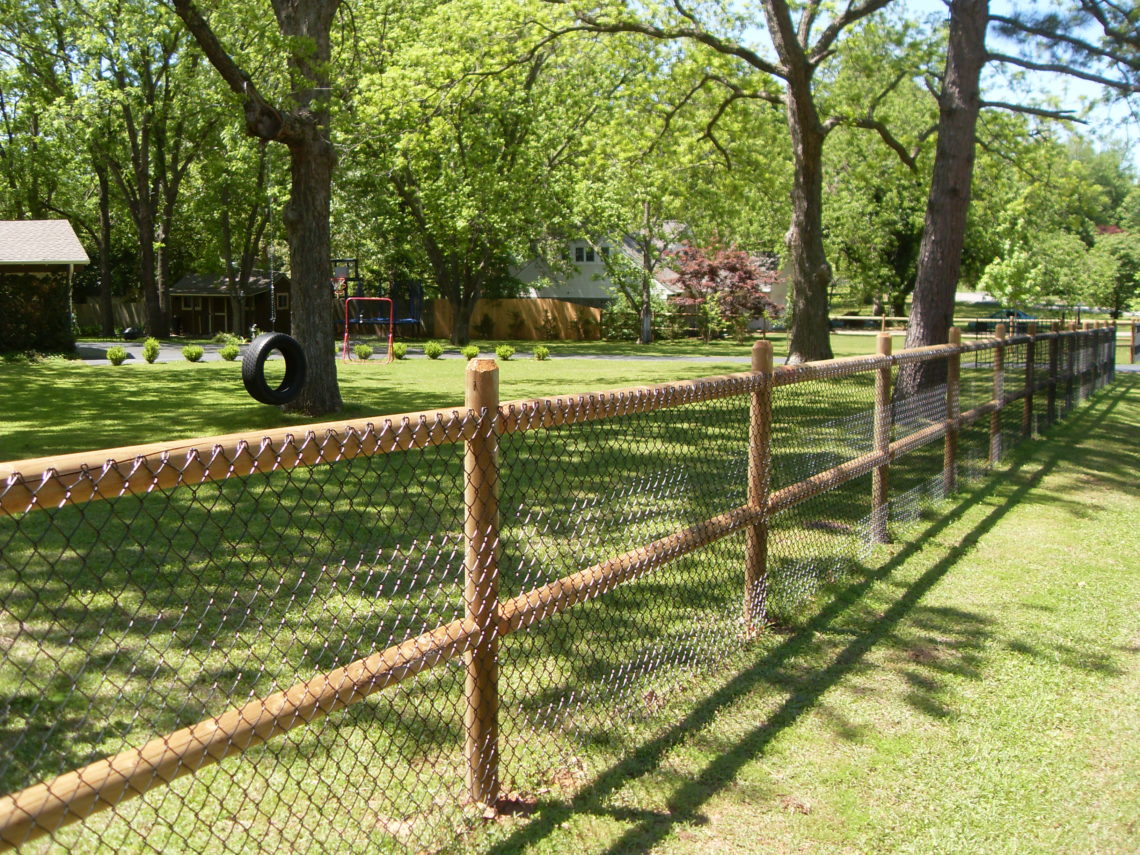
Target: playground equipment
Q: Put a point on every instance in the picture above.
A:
(358, 318)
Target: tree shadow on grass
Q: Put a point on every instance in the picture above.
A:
(649, 827)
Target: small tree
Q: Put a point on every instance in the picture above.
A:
(724, 287)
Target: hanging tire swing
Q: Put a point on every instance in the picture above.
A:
(253, 368)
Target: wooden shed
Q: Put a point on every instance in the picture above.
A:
(37, 261)
(203, 304)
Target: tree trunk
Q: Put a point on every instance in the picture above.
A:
(646, 336)
(106, 304)
(462, 311)
(144, 220)
(304, 129)
(940, 256)
(808, 333)
(809, 338)
(307, 225)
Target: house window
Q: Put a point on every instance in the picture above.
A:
(605, 252)
(584, 253)
(190, 304)
(282, 302)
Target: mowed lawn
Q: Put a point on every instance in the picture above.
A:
(59, 406)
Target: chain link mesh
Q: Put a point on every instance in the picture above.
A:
(353, 640)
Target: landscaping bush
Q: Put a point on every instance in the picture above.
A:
(504, 352)
(362, 351)
(433, 350)
(226, 338)
(470, 351)
(193, 352)
(399, 350)
(542, 353)
(230, 352)
(150, 349)
(116, 354)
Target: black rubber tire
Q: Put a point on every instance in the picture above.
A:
(253, 368)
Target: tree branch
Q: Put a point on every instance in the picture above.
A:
(822, 48)
(727, 47)
(262, 119)
(1060, 115)
(1060, 68)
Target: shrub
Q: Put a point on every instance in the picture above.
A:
(116, 354)
(399, 350)
(193, 352)
(230, 352)
(362, 351)
(470, 352)
(226, 338)
(433, 350)
(542, 353)
(150, 349)
(504, 352)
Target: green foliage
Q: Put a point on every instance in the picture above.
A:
(230, 352)
(504, 352)
(116, 354)
(621, 320)
(1056, 267)
(399, 349)
(470, 351)
(1118, 254)
(151, 348)
(363, 351)
(433, 350)
(193, 352)
(542, 353)
(33, 313)
(226, 338)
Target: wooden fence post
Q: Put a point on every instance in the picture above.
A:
(1134, 328)
(759, 483)
(1054, 365)
(481, 573)
(1071, 366)
(1030, 382)
(1088, 386)
(880, 477)
(953, 410)
(999, 395)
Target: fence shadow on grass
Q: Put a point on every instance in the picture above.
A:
(683, 806)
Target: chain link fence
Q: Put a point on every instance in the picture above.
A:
(377, 636)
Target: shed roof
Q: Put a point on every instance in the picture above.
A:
(25, 242)
(217, 285)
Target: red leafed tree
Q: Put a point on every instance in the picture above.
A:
(723, 287)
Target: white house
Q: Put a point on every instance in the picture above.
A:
(586, 282)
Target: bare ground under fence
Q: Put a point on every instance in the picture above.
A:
(369, 637)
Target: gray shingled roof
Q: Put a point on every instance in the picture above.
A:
(39, 242)
(216, 284)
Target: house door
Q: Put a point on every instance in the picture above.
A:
(219, 315)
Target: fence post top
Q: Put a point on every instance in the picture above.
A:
(954, 335)
(762, 357)
(999, 331)
(1032, 327)
(884, 343)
